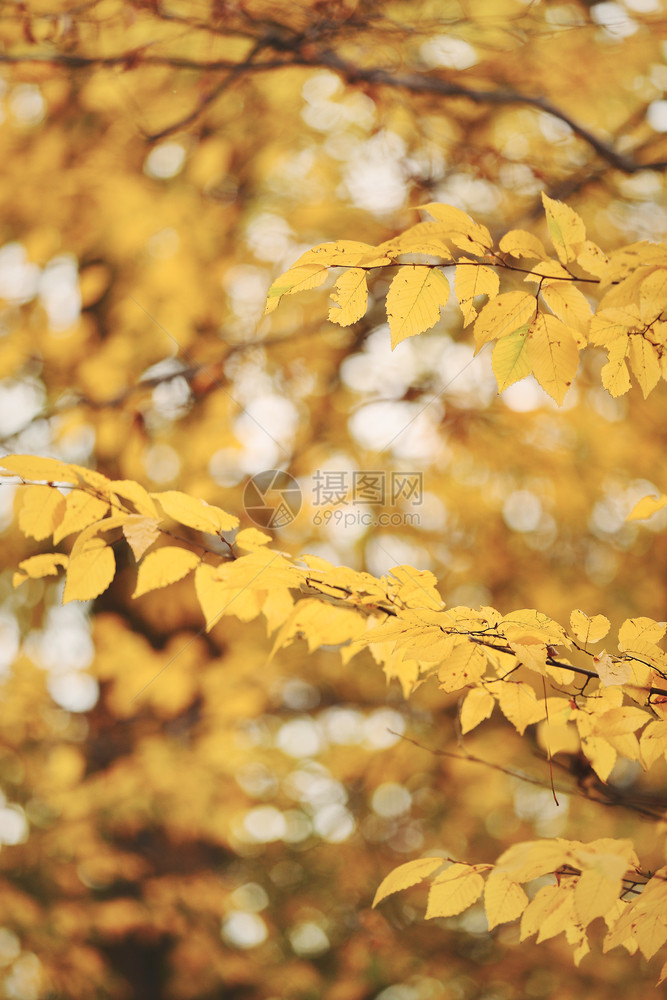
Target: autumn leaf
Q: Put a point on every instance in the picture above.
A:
(504, 316)
(42, 509)
(351, 297)
(587, 629)
(164, 566)
(647, 507)
(36, 468)
(653, 742)
(463, 666)
(522, 244)
(39, 566)
(137, 495)
(250, 539)
(615, 375)
(343, 253)
(612, 671)
(405, 876)
(89, 572)
(510, 359)
(195, 513)
(140, 533)
(645, 363)
(477, 705)
(81, 510)
(552, 353)
(298, 278)
(518, 703)
(472, 280)
(504, 900)
(566, 228)
(455, 890)
(463, 231)
(525, 861)
(571, 306)
(414, 300)
(598, 887)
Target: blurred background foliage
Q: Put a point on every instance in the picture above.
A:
(181, 817)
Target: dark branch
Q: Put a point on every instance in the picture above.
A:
(298, 53)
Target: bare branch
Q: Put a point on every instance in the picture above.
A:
(299, 51)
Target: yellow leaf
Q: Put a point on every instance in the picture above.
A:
(548, 269)
(526, 621)
(165, 566)
(398, 667)
(570, 306)
(653, 742)
(137, 495)
(465, 665)
(598, 888)
(462, 231)
(477, 705)
(551, 907)
(42, 508)
(615, 375)
(424, 238)
(643, 920)
(530, 652)
(612, 671)
(647, 507)
(414, 300)
(473, 279)
(81, 510)
(416, 588)
(520, 243)
(518, 703)
(105, 524)
(38, 566)
(250, 539)
(195, 513)
(510, 359)
(298, 278)
(663, 975)
(553, 355)
(344, 253)
(601, 755)
(638, 634)
(320, 625)
(557, 737)
(587, 629)
(261, 569)
(566, 229)
(216, 598)
(140, 533)
(277, 606)
(507, 314)
(653, 295)
(405, 876)
(504, 900)
(560, 917)
(41, 469)
(455, 890)
(644, 362)
(90, 572)
(351, 297)
(592, 259)
(652, 933)
(608, 325)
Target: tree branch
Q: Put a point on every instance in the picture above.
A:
(301, 53)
